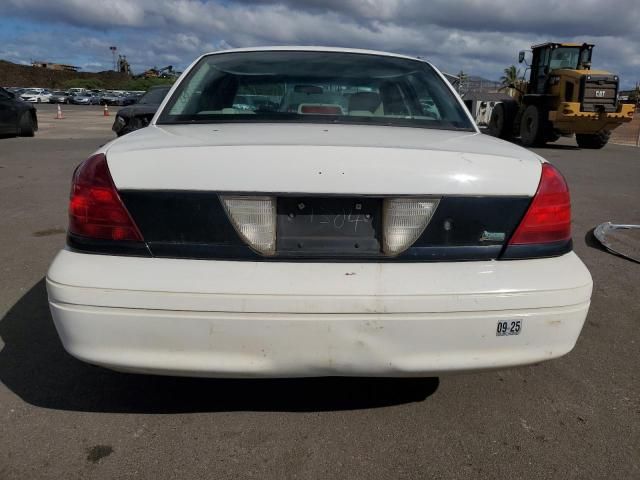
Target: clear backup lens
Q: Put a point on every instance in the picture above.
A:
(404, 220)
(254, 218)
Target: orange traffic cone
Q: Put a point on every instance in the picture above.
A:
(106, 110)
(59, 115)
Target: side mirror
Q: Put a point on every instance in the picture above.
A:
(521, 56)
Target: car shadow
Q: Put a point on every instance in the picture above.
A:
(34, 365)
(548, 146)
(591, 241)
(557, 146)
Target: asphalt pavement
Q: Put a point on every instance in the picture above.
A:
(577, 417)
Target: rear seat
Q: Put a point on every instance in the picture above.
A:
(366, 104)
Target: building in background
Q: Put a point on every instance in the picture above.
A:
(55, 66)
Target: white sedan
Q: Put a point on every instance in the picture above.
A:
(301, 212)
(36, 95)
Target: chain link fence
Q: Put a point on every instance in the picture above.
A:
(628, 133)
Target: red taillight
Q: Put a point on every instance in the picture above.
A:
(548, 218)
(95, 208)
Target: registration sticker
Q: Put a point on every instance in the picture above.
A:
(508, 327)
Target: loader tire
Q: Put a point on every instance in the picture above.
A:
(533, 127)
(497, 122)
(502, 118)
(593, 141)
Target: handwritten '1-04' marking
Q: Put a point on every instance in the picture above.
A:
(339, 221)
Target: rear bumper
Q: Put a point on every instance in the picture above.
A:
(245, 319)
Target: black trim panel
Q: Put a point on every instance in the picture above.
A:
(180, 217)
(186, 224)
(539, 250)
(451, 253)
(473, 221)
(78, 243)
(243, 253)
(204, 251)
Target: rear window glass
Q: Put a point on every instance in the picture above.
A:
(327, 87)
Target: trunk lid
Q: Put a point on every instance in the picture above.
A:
(321, 159)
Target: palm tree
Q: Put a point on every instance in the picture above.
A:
(510, 78)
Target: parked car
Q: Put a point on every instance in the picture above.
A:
(140, 114)
(17, 117)
(131, 98)
(341, 230)
(17, 91)
(86, 98)
(59, 96)
(36, 95)
(121, 99)
(112, 98)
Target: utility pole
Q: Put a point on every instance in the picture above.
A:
(113, 53)
(463, 83)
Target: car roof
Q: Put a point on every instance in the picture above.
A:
(309, 48)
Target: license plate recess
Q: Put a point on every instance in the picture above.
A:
(335, 226)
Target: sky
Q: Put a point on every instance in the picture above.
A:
(480, 37)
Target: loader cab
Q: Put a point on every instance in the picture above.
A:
(553, 56)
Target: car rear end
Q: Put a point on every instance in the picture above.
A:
(30, 97)
(81, 99)
(310, 249)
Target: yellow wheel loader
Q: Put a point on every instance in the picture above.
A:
(562, 96)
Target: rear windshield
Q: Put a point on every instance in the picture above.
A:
(326, 87)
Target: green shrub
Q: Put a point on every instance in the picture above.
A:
(89, 83)
(146, 83)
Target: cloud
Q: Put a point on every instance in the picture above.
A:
(481, 37)
(80, 12)
(616, 17)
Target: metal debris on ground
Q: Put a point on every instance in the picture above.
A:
(623, 240)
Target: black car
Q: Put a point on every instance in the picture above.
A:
(140, 114)
(17, 117)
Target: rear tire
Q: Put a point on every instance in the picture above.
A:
(26, 126)
(532, 127)
(502, 119)
(497, 122)
(593, 141)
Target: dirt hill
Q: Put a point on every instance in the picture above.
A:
(14, 75)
